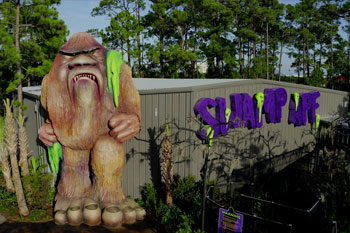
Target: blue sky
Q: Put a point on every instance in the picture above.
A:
(77, 16)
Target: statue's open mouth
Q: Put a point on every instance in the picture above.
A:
(85, 75)
(81, 77)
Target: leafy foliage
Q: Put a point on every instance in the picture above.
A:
(8, 201)
(183, 214)
(41, 35)
(39, 193)
(234, 39)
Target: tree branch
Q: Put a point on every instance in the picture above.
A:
(26, 25)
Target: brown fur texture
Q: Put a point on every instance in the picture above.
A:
(84, 119)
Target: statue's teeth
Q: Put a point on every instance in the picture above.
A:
(90, 76)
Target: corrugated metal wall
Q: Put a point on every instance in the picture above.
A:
(263, 149)
(35, 116)
(143, 154)
(241, 148)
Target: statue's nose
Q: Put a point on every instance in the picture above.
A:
(81, 60)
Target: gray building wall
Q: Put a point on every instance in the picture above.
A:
(258, 150)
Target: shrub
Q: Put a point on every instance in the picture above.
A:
(179, 217)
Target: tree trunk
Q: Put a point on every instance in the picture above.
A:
(280, 61)
(332, 62)
(11, 144)
(298, 65)
(23, 146)
(167, 164)
(161, 59)
(254, 49)
(128, 51)
(6, 170)
(304, 58)
(320, 61)
(122, 48)
(307, 59)
(249, 60)
(18, 64)
(240, 57)
(315, 61)
(193, 64)
(348, 19)
(267, 51)
(138, 16)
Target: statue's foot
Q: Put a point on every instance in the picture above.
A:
(86, 210)
(68, 210)
(125, 212)
(60, 211)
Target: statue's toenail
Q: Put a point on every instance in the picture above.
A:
(128, 209)
(60, 212)
(74, 208)
(91, 207)
(113, 209)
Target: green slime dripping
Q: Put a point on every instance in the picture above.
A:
(296, 99)
(55, 154)
(317, 123)
(227, 114)
(259, 102)
(209, 133)
(114, 62)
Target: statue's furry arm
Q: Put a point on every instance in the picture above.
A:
(129, 98)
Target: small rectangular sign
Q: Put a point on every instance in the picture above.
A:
(229, 222)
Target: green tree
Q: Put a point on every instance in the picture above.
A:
(125, 29)
(29, 41)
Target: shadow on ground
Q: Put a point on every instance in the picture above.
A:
(51, 227)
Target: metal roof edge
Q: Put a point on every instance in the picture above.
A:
(282, 83)
(166, 90)
(238, 82)
(31, 95)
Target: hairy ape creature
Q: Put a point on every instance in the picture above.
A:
(91, 124)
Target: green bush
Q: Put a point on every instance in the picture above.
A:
(187, 195)
(183, 214)
(8, 200)
(39, 192)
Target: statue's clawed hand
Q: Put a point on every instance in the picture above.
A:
(47, 135)
(124, 126)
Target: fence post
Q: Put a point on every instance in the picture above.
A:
(204, 188)
(335, 227)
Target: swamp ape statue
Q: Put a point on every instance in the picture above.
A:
(93, 107)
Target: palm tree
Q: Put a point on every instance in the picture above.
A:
(11, 144)
(167, 166)
(23, 146)
(6, 170)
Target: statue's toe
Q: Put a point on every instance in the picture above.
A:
(129, 215)
(61, 217)
(140, 213)
(112, 217)
(75, 213)
(91, 213)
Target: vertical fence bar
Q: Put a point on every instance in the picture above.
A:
(204, 187)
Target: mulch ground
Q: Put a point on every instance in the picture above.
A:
(51, 227)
